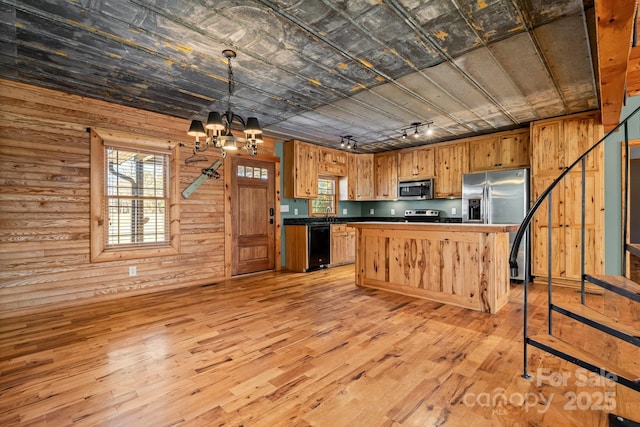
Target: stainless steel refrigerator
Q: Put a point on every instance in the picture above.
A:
(499, 197)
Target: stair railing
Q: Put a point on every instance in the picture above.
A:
(547, 194)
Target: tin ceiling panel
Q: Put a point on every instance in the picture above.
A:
(315, 70)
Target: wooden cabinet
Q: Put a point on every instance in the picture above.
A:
(507, 150)
(332, 162)
(451, 163)
(360, 178)
(343, 244)
(416, 163)
(385, 176)
(295, 248)
(300, 170)
(555, 145)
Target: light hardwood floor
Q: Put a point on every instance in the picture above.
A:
(285, 349)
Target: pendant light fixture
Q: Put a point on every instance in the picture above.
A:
(217, 129)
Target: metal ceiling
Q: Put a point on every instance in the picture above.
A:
(315, 69)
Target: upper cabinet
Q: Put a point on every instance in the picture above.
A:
(559, 142)
(385, 175)
(506, 150)
(416, 163)
(332, 162)
(452, 161)
(300, 170)
(360, 177)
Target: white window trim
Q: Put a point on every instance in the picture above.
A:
(101, 137)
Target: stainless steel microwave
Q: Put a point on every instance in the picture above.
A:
(415, 190)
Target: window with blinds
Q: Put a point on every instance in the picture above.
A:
(136, 198)
(326, 201)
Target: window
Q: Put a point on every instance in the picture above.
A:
(326, 201)
(134, 207)
(136, 199)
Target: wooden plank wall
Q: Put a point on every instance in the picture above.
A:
(44, 204)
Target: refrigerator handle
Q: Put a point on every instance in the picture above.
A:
(487, 205)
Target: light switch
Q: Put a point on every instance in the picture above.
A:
(284, 208)
(454, 211)
(371, 211)
(393, 211)
(344, 211)
(295, 211)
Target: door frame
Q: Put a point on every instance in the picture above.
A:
(626, 162)
(228, 224)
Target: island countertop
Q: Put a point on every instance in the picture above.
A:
(435, 226)
(460, 264)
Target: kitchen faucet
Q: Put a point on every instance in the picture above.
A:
(326, 213)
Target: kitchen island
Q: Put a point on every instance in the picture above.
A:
(461, 264)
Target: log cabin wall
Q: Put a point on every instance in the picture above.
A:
(45, 204)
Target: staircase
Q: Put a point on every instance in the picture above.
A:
(615, 318)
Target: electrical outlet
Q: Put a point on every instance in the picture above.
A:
(393, 211)
(295, 211)
(371, 211)
(344, 211)
(454, 211)
(133, 270)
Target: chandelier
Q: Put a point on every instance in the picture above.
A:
(217, 129)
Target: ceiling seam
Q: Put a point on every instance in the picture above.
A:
(493, 57)
(402, 12)
(534, 40)
(357, 60)
(420, 72)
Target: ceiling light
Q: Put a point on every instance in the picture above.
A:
(349, 140)
(415, 126)
(217, 130)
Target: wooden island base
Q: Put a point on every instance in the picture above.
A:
(461, 264)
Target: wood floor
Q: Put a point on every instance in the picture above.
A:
(287, 349)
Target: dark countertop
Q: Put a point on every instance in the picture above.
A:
(345, 219)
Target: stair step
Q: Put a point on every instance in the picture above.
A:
(634, 248)
(618, 421)
(597, 320)
(588, 361)
(618, 284)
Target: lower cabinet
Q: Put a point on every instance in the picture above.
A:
(296, 243)
(343, 244)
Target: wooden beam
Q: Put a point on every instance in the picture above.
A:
(614, 28)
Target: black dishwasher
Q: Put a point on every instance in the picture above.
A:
(319, 246)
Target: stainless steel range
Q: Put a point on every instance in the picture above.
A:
(422, 215)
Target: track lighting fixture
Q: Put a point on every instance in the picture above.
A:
(351, 143)
(415, 126)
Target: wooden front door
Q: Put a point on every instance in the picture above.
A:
(252, 215)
